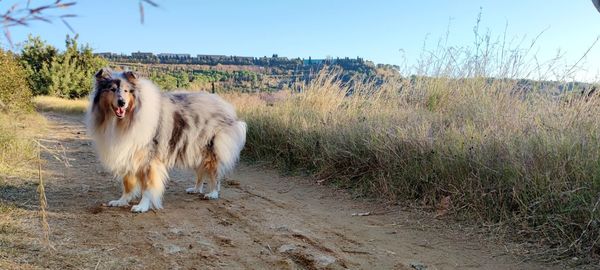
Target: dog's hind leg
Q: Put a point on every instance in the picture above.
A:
(153, 187)
(199, 187)
(211, 167)
(213, 186)
(223, 155)
(131, 189)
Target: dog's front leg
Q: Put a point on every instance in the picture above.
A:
(131, 189)
(153, 186)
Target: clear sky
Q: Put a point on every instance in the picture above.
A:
(376, 30)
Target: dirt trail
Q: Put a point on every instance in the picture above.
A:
(262, 221)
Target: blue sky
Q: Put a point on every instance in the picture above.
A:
(376, 30)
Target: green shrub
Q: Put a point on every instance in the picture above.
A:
(36, 57)
(67, 74)
(164, 81)
(15, 94)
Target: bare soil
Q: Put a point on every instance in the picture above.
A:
(261, 221)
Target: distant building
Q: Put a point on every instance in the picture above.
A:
(166, 55)
(183, 55)
(173, 56)
(105, 54)
(142, 55)
(284, 63)
(210, 57)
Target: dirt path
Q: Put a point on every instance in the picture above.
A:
(262, 221)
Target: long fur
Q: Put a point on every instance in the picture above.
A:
(159, 131)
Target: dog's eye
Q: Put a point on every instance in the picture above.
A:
(113, 89)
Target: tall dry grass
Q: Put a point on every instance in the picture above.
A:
(524, 158)
(56, 104)
(19, 163)
(17, 146)
(527, 160)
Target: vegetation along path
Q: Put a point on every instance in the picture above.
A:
(262, 221)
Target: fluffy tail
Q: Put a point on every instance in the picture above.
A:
(228, 144)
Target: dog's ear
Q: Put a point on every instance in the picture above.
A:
(104, 73)
(131, 76)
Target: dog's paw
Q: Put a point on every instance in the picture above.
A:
(139, 208)
(193, 190)
(212, 195)
(118, 203)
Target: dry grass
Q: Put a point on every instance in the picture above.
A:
(19, 151)
(56, 104)
(21, 176)
(18, 168)
(524, 162)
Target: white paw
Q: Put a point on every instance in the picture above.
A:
(193, 190)
(212, 195)
(118, 203)
(139, 208)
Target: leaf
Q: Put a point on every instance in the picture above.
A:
(68, 25)
(152, 3)
(38, 9)
(65, 5)
(141, 13)
(40, 18)
(7, 35)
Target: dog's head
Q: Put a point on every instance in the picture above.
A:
(115, 91)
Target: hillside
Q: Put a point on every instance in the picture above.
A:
(241, 73)
(222, 73)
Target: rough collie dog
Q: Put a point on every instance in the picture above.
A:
(140, 133)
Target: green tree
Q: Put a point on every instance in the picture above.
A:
(36, 58)
(183, 79)
(164, 80)
(71, 73)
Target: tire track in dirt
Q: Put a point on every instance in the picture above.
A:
(301, 249)
(262, 221)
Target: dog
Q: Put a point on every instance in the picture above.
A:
(139, 133)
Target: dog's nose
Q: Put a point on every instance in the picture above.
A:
(121, 102)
